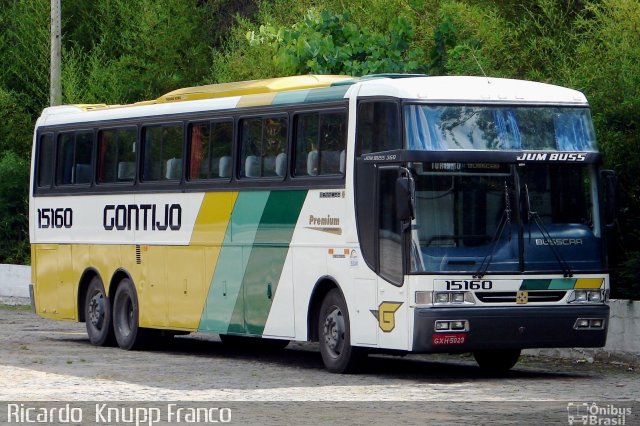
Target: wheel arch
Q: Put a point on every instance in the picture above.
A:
(83, 285)
(118, 276)
(323, 286)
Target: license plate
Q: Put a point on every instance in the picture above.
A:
(439, 339)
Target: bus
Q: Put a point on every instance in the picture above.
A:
(379, 214)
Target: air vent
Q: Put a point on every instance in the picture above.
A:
(138, 255)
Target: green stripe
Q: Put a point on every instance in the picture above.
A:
(294, 97)
(233, 258)
(562, 283)
(535, 284)
(268, 256)
(251, 261)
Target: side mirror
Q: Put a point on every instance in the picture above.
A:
(609, 181)
(405, 205)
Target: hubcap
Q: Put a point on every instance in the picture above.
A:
(96, 310)
(334, 331)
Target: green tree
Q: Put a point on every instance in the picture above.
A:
(326, 43)
(14, 234)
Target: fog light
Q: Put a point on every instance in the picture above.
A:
(582, 323)
(457, 297)
(442, 325)
(441, 298)
(458, 325)
(596, 323)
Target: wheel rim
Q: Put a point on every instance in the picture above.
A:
(125, 316)
(334, 332)
(96, 310)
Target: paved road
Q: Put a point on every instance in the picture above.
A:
(46, 360)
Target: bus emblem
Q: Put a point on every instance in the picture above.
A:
(522, 297)
(386, 315)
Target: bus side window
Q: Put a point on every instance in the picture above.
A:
(378, 127)
(74, 158)
(162, 153)
(116, 156)
(320, 147)
(210, 150)
(46, 161)
(264, 142)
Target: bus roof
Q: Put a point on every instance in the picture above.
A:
(309, 88)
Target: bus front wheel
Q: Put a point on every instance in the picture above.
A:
(497, 361)
(335, 338)
(97, 314)
(125, 316)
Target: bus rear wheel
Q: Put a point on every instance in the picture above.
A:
(497, 361)
(125, 316)
(335, 337)
(97, 314)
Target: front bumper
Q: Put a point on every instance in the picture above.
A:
(509, 328)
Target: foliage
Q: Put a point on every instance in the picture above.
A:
(24, 49)
(14, 235)
(324, 43)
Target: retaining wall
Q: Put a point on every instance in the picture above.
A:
(623, 342)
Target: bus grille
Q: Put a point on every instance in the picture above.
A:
(510, 296)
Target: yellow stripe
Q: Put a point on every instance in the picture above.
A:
(256, 100)
(213, 218)
(589, 283)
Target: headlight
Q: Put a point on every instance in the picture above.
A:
(587, 296)
(457, 297)
(594, 296)
(441, 298)
(580, 296)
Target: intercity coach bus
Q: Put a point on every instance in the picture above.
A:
(387, 213)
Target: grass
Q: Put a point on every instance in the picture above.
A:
(15, 307)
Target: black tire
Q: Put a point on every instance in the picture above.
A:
(97, 314)
(335, 337)
(497, 361)
(125, 316)
(253, 343)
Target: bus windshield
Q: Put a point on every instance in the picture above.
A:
(482, 217)
(486, 127)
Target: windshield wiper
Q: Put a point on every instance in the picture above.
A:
(566, 269)
(505, 221)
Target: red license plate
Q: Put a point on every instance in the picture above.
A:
(439, 339)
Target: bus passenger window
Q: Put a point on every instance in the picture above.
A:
(162, 153)
(378, 127)
(210, 150)
(116, 156)
(45, 161)
(264, 145)
(74, 158)
(320, 143)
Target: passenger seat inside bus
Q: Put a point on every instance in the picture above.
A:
(224, 170)
(281, 164)
(174, 169)
(82, 173)
(252, 166)
(126, 171)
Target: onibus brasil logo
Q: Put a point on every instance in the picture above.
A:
(582, 413)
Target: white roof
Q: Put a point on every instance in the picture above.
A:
(432, 89)
(470, 89)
